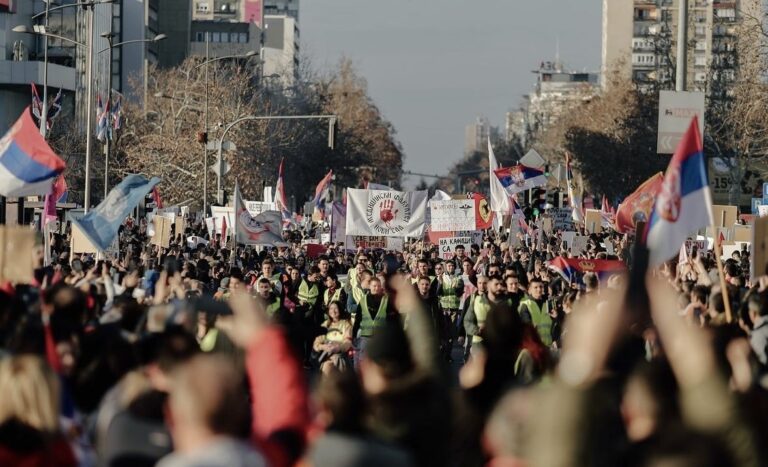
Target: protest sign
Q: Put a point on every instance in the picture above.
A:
(17, 246)
(325, 238)
(567, 238)
(374, 243)
(728, 251)
(386, 213)
(579, 244)
(700, 244)
(762, 210)
(80, 243)
(162, 235)
(218, 213)
(179, 226)
(594, 221)
(742, 233)
(724, 216)
(562, 219)
(547, 225)
(452, 215)
(447, 246)
(475, 235)
(257, 207)
(759, 248)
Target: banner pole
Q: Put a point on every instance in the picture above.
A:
(721, 273)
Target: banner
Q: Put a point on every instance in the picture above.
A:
(218, 213)
(17, 259)
(100, 225)
(386, 213)
(257, 207)
(483, 214)
(447, 246)
(452, 215)
(263, 229)
(373, 243)
(476, 236)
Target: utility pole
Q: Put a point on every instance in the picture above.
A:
(682, 46)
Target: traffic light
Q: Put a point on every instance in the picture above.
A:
(333, 130)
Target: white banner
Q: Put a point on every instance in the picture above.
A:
(373, 243)
(452, 215)
(448, 245)
(338, 222)
(386, 213)
(218, 213)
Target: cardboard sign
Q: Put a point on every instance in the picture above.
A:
(563, 218)
(179, 226)
(762, 210)
(579, 244)
(80, 243)
(447, 246)
(547, 225)
(742, 233)
(724, 216)
(593, 219)
(701, 245)
(728, 251)
(759, 254)
(162, 235)
(17, 246)
(452, 215)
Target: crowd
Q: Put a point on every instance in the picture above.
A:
(203, 355)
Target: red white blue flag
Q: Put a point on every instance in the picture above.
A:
(520, 178)
(280, 200)
(28, 165)
(572, 269)
(683, 204)
(321, 192)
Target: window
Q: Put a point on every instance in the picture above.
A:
(700, 77)
(216, 37)
(199, 37)
(700, 60)
(243, 37)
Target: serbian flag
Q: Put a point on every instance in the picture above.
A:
(28, 165)
(637, 206)
(156, 198)
(520, 178)
(58, 191)
(280, 202)
(571, 269)
(321, 191)
(684, 202)
(37, 104)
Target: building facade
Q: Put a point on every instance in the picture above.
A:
(640, 40)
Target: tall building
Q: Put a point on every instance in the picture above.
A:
(281, 47)
(640, 39)
(282, 7)
(476, 136)
(556, 89)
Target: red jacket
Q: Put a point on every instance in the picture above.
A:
(279, 396)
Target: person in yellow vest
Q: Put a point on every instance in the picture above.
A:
(274, 306)
(309, 310)
(534, 309)
(370, 316)
(268, 272)
(450, 288)
(476, 308)
(333, 346)
(333, 293)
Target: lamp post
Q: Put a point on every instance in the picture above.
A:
(207, 61)
(88, 46)
(109, 36)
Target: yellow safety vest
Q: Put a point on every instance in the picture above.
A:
(273, 307)
(335, 298)
(308, 294)
(369, 324)
(540, 318)
(448, 298)
(481, 307)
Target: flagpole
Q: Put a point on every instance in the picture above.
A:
(718, 262)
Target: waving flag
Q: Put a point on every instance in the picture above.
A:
(101, 224)
(117, 113)
(27, 164)
(102, 120)
(573, 268)
(520, 178)
(499, 197)
(55, 107)
(684, 203)
(37, 104)
(58, 190)
(321, 192)
(607, 213)
(280, 203)
(576, 210)
(264, 229)
(637, 206)
(156, 197)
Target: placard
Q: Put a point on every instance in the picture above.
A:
(593, 219)
(452, 215)
(762, 210)
(547, 225)
(80, 243)
(447, 246)
(567, 237)
(162, 235)
(724, 216)
(180, 226)
(17, 245)
(742, 233)
(257, 207)
(579, 244)
(562, 218)
(759, 253)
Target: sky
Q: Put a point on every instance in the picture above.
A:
(433, 66)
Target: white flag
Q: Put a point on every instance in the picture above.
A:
(499, 197)
(386, 213)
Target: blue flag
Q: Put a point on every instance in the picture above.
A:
(100, 225)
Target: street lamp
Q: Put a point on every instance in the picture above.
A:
(109, 36)
(205, 63)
